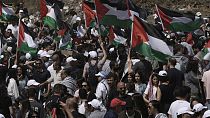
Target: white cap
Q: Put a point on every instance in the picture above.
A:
(111, 49)
(44, 54)
(102, 74)
(93, 54)
(207, 57)
(199, 107)
(69, 59)
(95, 103)
(184, 110)
(198, 14)
(28, 56)
(30, 25)
(14, 66)
(206, 114)
(21, 11)
(2, 56)
(2, 116)
(40, 52)
(86, 54)
(162, 73)
(32, 83)
(78, 19)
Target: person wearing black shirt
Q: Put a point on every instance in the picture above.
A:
(5, 102)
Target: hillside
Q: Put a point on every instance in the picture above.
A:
(202, 6)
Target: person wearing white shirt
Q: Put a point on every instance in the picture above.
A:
(182, 95)
(102, 88)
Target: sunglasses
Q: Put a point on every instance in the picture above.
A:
(84, 85)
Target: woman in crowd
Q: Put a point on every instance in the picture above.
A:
(22, 80)
(152, 91)
(192, 78)
(12, 84)
(139, 86)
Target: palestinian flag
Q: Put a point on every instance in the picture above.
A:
(43, 8)
(175, 21)
(66, 41)
(89, 14)
(116, 37)
(137, 11)
(147, 40)
(53, 18)
(112, 12)
(25, 40)
(7, 13)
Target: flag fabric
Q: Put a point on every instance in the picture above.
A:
(53, 18)
(7, 13)
(25, 40)
(66, 41)
(116, 37)
(43, 8)
(137, 11)
(175, 21)
(89, 13)
(147, 40)
(113, 13)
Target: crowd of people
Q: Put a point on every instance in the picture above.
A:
(95, 79)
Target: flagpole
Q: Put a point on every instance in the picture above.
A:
(18, 38)
(100, 40)
(159, 17)
(129, 50)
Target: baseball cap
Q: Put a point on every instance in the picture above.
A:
(199, 107)
(95, 103)
(69, 59)
(32, 83)
(206, 114)
(93, 54)
(184, 110)
(102, 74)
(117, 102)
(162, 73)
(78, 19)
(207, 57)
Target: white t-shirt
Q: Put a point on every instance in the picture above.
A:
(154, 96)
(175, 107)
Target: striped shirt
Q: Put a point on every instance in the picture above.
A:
(71, 85)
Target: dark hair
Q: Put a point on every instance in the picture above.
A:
(192, 65)
(69, 71)
(12, 73)
(155, 104)
(172, 61)
(181, 91)
(58, 88)
(3, 90)
(31, 92)
(82, 93)
(130, 87)
(139, 104)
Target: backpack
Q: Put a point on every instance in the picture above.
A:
(92, 70)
